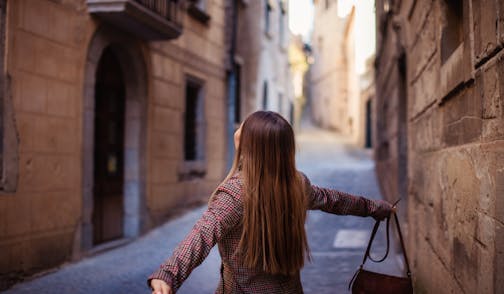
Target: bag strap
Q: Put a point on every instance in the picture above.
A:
(408, 271)
(368, 249)
(375, 229)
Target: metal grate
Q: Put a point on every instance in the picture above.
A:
(168, 9)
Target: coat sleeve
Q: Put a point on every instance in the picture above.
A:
(336, 202)
(223, 214)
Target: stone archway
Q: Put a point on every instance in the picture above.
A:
(131, 60)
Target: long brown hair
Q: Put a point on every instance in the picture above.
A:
(273, 237)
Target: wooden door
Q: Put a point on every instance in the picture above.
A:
(108, 212)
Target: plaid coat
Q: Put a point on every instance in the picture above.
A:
(221, 224)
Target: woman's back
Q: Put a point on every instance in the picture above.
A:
(257, 215)
(222, 224)
(235, 277)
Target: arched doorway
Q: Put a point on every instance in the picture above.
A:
(108, 174)
(114, 140)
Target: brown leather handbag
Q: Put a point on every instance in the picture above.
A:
(367, 282)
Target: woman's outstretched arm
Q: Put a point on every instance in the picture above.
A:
(222, 214)
(337, 202)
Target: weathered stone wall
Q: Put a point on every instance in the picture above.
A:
(41, 223)
(199, 52)
(454, 132)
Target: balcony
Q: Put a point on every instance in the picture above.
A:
(146, 19)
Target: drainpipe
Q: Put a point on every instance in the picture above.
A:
(231, 81)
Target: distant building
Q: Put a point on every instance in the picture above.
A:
(299, 59)
(439, 140)
(334, 82)
(262, 58)
(114, 115)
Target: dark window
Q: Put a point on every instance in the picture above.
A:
(452, 34)
(265, 95)
(267, 16)
(194, 165)
(281, 25)
(369, 109)
(193, 121)
(237, 93)
(291, 113)
(280, 103)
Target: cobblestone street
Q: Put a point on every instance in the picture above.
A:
(326, 160)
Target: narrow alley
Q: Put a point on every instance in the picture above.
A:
(118, 120)
(327, 161)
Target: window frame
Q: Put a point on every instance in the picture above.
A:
(238, 68)
(456, 69)
(197, 167)
(282, 25)
(268, 11)
(265, 94)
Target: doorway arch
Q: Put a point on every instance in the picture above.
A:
(108, 154)
(131, 60)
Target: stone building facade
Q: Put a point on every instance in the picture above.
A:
(112, 119)
(439, 137)
(262, 58)
(335, 92)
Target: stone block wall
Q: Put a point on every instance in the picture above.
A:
(39, 220)
(455, 146)
(53, 50)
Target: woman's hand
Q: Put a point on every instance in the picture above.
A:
(384, 211)
(393, 209)
(160, 287)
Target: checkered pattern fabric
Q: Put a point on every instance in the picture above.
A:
(221, 224)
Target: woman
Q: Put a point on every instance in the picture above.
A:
(257, 216)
